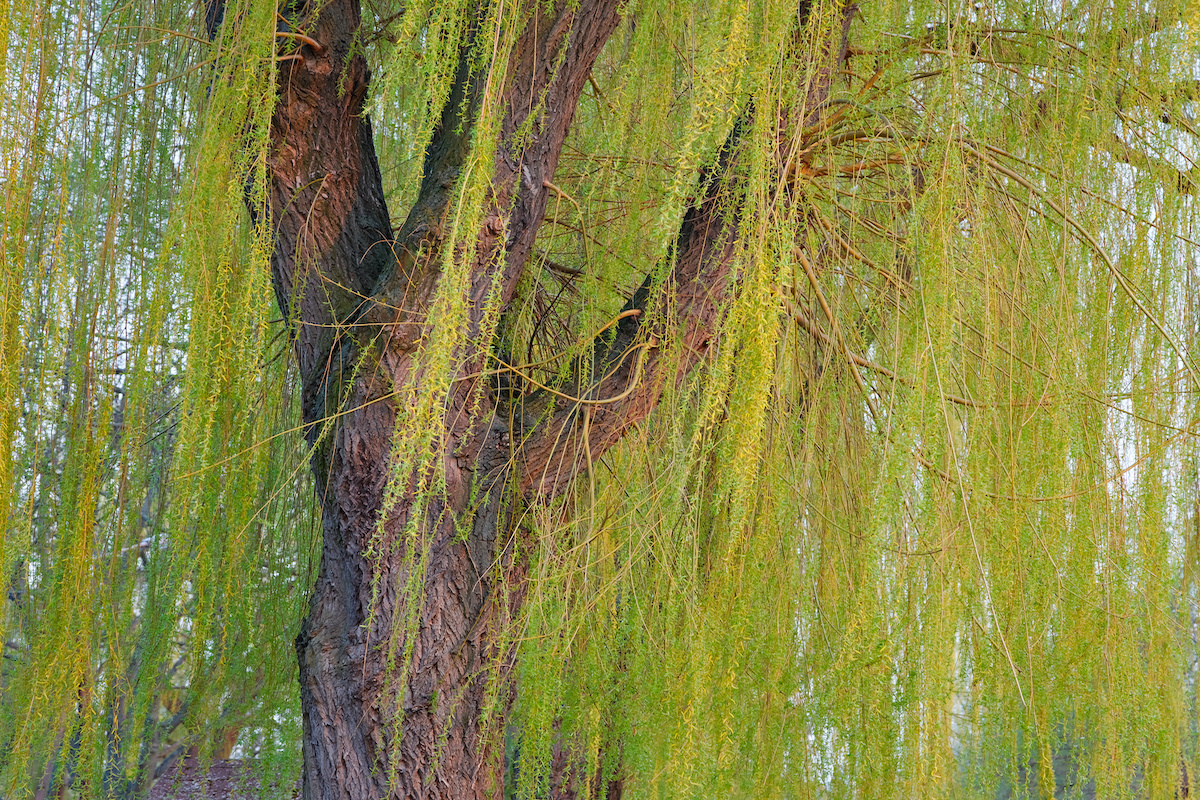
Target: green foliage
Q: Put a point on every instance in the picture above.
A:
(925, 525)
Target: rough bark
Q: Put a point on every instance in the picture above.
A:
(358, 297)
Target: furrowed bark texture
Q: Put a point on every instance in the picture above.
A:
(359, 297)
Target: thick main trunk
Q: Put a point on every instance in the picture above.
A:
(363, 736)
(395, 672)
(372, 728)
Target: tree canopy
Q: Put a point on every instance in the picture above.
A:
(843, 360)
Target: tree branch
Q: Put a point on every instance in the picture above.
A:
(631, 369)
(551, 63)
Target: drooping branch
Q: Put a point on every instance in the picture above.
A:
(1186, 182)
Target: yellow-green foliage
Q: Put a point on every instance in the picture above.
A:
(158, 531)
(925, 525)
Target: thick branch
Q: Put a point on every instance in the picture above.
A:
(331, 223)
(630, 369)
(549, 68)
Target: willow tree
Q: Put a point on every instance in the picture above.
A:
(609, 398)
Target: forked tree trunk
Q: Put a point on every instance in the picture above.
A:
(365, 737)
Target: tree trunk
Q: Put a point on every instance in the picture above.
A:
(364, 735)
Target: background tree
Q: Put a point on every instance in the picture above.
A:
(762, 400)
